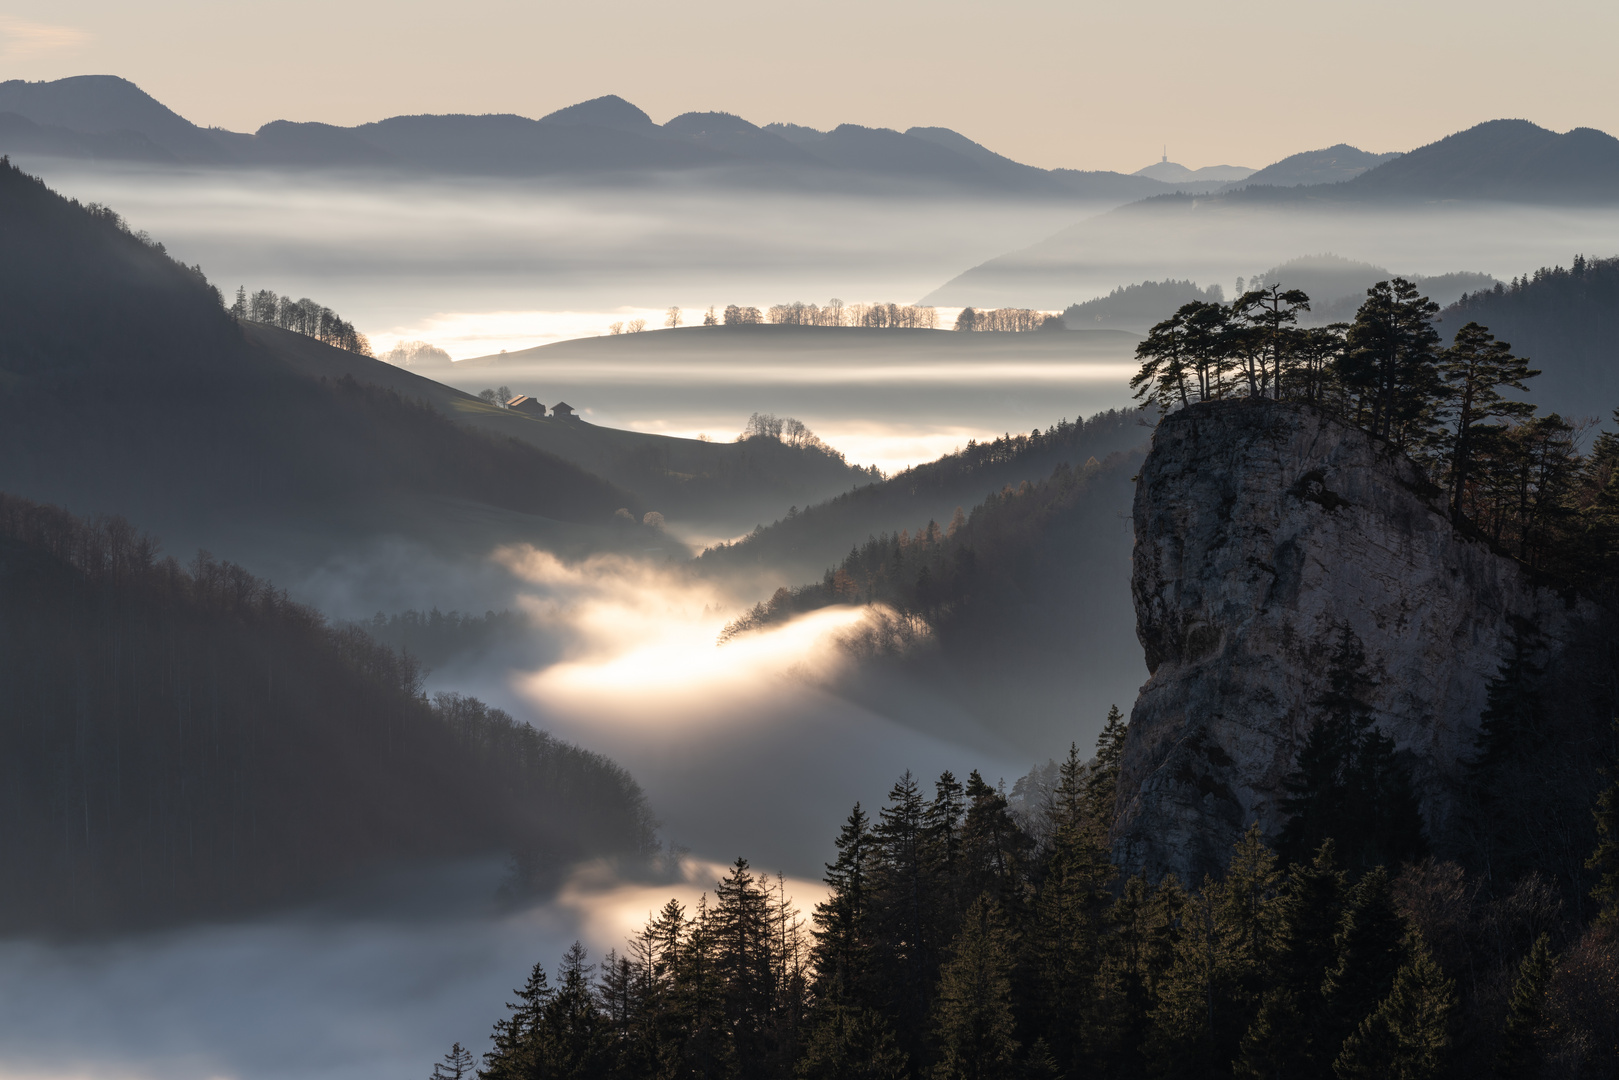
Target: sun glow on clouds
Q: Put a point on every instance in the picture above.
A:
(484, 333)
(751, 748)
(644, 640)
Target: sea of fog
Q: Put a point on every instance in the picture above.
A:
(746, 750)
(890, 398)
(475, 266)
(479, 266)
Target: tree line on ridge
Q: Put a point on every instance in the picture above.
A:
(966, 936)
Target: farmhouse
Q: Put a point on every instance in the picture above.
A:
(525, 404)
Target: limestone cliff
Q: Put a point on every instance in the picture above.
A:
(1260, 527)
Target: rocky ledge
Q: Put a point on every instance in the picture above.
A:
(1261, 528)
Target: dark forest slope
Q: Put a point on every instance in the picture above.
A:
(125, 387)
(1512, 160)
(818, 536)
(1026, 601)
(1566, 321)
(184, 741)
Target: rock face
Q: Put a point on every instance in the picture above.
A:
(1261, 527)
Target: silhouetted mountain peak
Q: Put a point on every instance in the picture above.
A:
(796, 133)
(610, 111)
(729, 134)
(1329, 166)
(1171, 172)
(106, 104)
(710, 123)
(315, 144)
(955, 140)
(1505, 159)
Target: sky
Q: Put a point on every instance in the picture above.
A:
(1049, 82)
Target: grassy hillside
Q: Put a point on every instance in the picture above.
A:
(677, 477)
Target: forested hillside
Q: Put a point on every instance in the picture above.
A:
(1012, 609)
(129, 388)
(968, 937)
(973, 935)
(1136, 307)
(178, 741)
(811, 539)
(1566, 319)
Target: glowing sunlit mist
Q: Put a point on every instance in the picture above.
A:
(644, 640)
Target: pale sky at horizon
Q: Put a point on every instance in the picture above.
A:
(1048, 82)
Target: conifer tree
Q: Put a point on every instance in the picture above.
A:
(574, 1041)
(457, 1064)
(1349, 785)
(1102, 783)
(702, 1044)
(1163, 380)
(1473, 372)
(1605, 859)
(517, 1036)
(1370, 949)
(941, 853)
(742, 963)
(1040, 1063)
(628, 1012)
(1289, 1036)
(1390, 361)
(993, 846)
(1409, 1036)
(905, 896)
(1267, 319)
(1520, 1055)
(1067, 915)
(848, 1043)
(1136, 957)
(973, 1022)
(842, 929)
(1225, 949)
(1510, 728)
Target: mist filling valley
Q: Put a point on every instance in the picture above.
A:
(557, 548)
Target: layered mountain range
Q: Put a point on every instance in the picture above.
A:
(108, 118)
(103, 117)
(1443, 192)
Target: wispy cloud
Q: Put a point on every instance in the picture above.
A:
(21, 39)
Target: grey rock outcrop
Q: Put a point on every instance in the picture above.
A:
(1261, 527)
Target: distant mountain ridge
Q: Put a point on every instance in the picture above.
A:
(1329, 166)
(1175, 173)
(106, 117)
(1497, 162)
